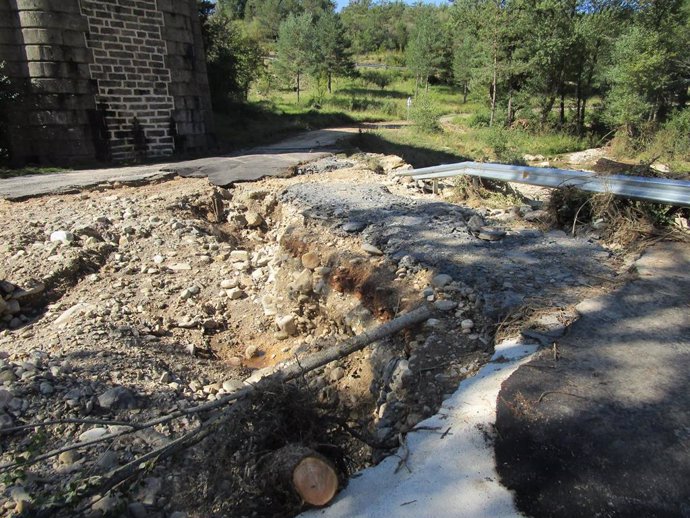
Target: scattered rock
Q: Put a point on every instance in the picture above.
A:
(475, 223)
(19, 494)
(92, 434)
(149, 493)
(235, 293)
(108, 460)
(337, 373)
(310, 260)
(253, 219)
(536, 215)
(287, 324)
(46, 388)
(303, 283)
(232, 385)
(79, 309)
(239, 256)
(490, 234)
(371, 249)
(445, 305)
(137, 510)
(69, 457)
(5, 397)
(533, 158)
(6, 421)
(227, 284)
(117, 398)
(106, 505)
(441, 280)
(251, 351)
(466, 325)
(62, 236)
(354, 226)
(391, 162)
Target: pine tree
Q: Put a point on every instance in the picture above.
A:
(425, 47)
(295, 49)
(331, 45)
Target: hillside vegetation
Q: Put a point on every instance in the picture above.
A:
(517, 76)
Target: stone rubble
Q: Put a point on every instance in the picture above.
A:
(141, 303)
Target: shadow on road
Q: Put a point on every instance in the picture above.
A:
(604, 429)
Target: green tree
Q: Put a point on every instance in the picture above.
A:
(424, 51)
(296, 48)
(233, 59)
(332, 57)
(548, 40)
(639, 75)
(360, 21)
(266, 16)
(593, 37)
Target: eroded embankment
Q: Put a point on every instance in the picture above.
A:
(196, 292)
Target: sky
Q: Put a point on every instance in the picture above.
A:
(339, 4)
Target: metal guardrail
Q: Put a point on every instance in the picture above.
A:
(660, 190)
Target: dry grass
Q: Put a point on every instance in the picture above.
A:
(621, 222)
(487, 193)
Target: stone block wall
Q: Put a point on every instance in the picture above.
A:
(113, 80)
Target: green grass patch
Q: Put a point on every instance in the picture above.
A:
(260, 123)
(275, 114)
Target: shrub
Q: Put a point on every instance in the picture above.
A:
(393, 108)
(500, 140)
(424, 114)
(377, 78)
(672, 140)
(479, 119)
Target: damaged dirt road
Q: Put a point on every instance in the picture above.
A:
(123, 304)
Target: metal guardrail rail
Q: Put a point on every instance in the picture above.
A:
(660, 190)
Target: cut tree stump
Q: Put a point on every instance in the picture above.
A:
(304, 471)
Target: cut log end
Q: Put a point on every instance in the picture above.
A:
(303, 472)
(315, 480)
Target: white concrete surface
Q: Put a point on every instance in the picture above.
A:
(453, 476)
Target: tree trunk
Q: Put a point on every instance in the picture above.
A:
(297, 87)
(330, 77)
(588, 83)
(561, 114)
(301, 470)
(509, 120)
(493, 88)
(546, 109)
(464, 93)
(578, 106)
(494, 80)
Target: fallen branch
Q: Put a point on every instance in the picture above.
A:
(55, 422)
(288, 372)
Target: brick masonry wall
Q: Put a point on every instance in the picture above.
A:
(129, 64)
(189, 85)
(114, 80)
(48, 47)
